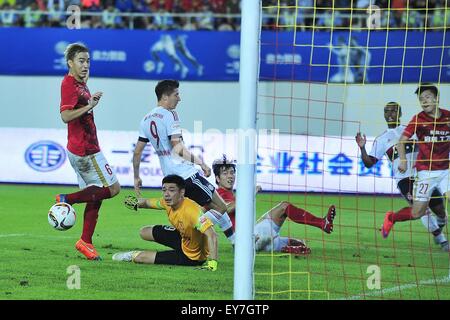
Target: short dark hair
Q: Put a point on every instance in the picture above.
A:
(426, 86)
(73, 49)
(173, 178)
(394, 104)
(166, 87)
(223, 163)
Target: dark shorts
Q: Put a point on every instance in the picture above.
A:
(170, 237)
(406, 188)
(199, 189)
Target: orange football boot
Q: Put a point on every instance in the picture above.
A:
(387, 224)
(87, 249)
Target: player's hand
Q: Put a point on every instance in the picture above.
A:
(206, 170)
(95, 98)
(131, 202)
(137, 186)
(209, 265)
(360, 139)
(402, 166)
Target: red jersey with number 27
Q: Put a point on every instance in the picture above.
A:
(228, 197)
(433, 140)
(82, 133)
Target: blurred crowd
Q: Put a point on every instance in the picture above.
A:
(346, 14)
(223, 15)
(140, 14)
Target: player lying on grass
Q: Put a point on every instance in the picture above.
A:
(267, 228)
(191, 236)
(385, 145)
(431, 126)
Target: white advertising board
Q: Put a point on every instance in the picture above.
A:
(284, 163)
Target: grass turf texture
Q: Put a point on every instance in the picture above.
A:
(35, 258)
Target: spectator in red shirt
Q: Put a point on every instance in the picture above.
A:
(95, 177)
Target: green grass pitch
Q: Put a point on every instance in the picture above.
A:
(34, 259)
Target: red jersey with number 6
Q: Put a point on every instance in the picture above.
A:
(82, 133)
(433, 140)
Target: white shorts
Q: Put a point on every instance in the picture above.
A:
(92, 170)
(428, 180)
(267, 235)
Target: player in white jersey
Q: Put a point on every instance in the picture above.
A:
(161, 127)
(384, 144)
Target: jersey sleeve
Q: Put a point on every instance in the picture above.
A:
(378, 150)
(157, 203)
(142, 136)
(69, 97)
(410, 129)
(172, 123)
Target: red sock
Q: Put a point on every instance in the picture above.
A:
(90, 220)
(89, 194)
(304, 217)
(403, 214)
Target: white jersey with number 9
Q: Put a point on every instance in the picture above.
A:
(157, 127)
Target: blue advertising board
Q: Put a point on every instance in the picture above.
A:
(369, 57)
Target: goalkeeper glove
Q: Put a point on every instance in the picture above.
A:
(210, 265)
(131, 202)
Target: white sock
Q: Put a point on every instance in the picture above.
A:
(430, 222)
(440, 238)
(441, 221)
(222, 220)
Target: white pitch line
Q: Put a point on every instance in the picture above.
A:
(398, 288)
(36, 236)
(12, 235)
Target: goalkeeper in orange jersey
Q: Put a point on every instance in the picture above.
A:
(191, 236)
(267, 228)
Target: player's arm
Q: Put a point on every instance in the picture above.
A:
(152, 203)
(133, 203)
(229, 200)
(401, 149)
(211, 236)
(137, 156)
(181, 150)
(72, 114)
(368, 161)
(205, 226)
(231, 206)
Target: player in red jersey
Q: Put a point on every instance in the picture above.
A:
(432, 128)
(385, 145)
(267, 228)
(95, 177)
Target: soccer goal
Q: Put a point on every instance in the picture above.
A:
(327, 70)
